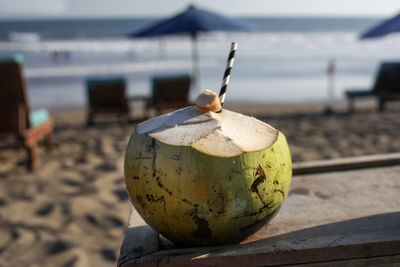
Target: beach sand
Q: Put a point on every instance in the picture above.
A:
(74, 209)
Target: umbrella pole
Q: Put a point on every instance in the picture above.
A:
(331, 70)
(195, 63)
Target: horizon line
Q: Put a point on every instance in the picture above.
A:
(89, 17)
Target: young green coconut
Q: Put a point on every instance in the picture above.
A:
(202, 176)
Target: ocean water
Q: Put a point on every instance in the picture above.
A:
(284, 61)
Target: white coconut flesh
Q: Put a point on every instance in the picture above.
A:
(221, 134)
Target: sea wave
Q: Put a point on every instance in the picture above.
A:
(216, 44)
(206, 41)
(106, 69)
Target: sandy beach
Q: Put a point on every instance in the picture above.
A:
(73, 210)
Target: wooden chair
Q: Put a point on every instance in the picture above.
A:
(385, 89)
(169, 92)
(19, 127)
(106, 96)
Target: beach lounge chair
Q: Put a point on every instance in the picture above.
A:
(19, 126)
(106, 96)
(386, 87)
(169, 92)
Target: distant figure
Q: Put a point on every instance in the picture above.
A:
(67, 55)
(61, 56)
(331, 72)
(131, 51)
(55, 56)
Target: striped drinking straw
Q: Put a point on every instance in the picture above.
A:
(227, 74)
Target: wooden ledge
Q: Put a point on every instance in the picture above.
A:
(342, 164)
(339, 218)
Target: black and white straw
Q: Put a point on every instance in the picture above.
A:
(227, 74)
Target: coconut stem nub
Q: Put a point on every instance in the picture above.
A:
(208, 101)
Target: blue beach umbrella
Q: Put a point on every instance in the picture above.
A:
(193, 21)
(383, 28)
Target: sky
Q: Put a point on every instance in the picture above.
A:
(157, 8)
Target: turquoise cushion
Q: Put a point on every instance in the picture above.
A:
(17, 58)
(38, 117)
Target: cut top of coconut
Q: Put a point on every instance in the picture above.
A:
(223, 134)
